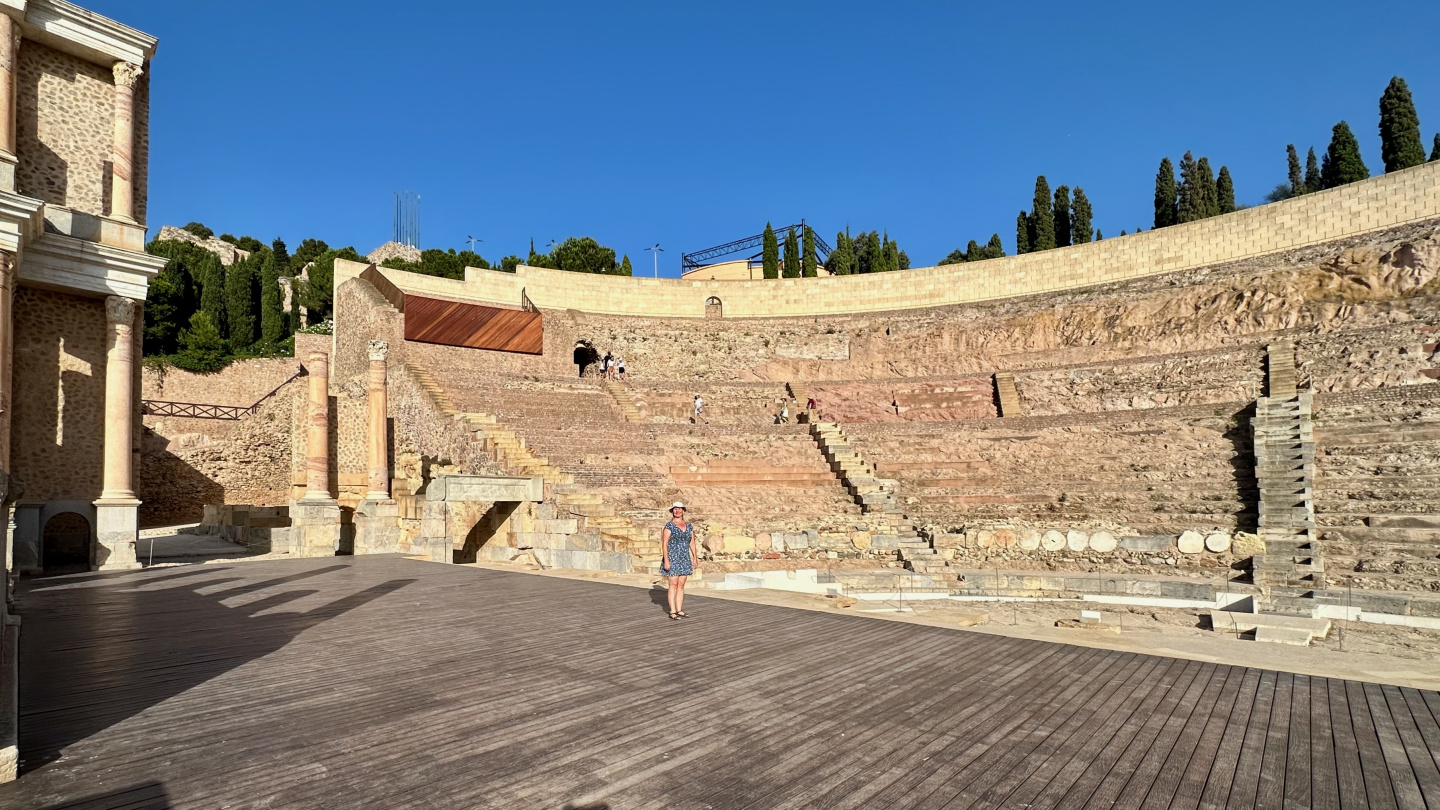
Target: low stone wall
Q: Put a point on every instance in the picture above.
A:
(241, 383)
(261, 529)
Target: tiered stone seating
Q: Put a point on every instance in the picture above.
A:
(1145, 473)
(904, 400)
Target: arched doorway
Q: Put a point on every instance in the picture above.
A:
(713, 308)
(65, 544)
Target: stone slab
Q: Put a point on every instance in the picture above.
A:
(486, 488)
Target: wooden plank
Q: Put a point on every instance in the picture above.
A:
(454, 323)
(1379, 793)
(393, 683)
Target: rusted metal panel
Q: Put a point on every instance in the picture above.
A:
(452, 323)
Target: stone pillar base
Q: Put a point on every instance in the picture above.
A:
(314, 527)
(116, 528)
(434, 542)
(24, 532)
(9, 697)
(377, 527)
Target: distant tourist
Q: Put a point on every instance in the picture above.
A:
(605, 365)
(810, 404)
(784, 412)
(699, 410)
(620, 368)
(677, 557)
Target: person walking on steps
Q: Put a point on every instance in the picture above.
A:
(677, 557)
(699, 410)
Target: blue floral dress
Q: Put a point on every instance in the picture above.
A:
(679, 550)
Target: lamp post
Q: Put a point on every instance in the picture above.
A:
(656, 251)
(472, 240)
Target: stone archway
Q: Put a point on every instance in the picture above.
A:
(65, 543)
(446, 492)
(714, 308)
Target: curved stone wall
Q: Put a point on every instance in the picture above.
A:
(1380, 203)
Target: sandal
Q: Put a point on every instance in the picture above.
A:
(675, 616)
(682, 614)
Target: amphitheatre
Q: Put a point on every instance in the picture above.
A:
(1152, 521)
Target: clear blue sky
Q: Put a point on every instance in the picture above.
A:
(692, 124)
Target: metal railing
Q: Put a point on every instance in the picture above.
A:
(198, 410)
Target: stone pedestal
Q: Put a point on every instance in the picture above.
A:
(116, 527)
(434, 541)
(377, 527)
(314, 527)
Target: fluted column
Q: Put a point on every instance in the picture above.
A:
(376, 434)
(119, 398)
(122, 175)
(317, 437)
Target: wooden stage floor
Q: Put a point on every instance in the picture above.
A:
(388, 683)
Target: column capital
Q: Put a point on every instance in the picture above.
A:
(127, 73)
(378, 349)
(119, 311)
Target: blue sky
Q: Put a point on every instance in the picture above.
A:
(691, 124)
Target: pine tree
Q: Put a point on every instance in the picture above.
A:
(1062, 216)
(1342, 159)
(212, 292)
(1313, 181)
(1226, 188)
(239, 302)
(282, 257)
(1297, 180)
(202, 349)
(1400, 145)
(1208, 188)
(1022, 234)
(994, 249)
(770, 253)
(1080, 220)
(842, 258)
(1166, 211)
(272, 317)
(790, 267)
(1042, 217)
(1435, 151)
(1191, 204)
(626, 269)
(973, 252)
(810, 266)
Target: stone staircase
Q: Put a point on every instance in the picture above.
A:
(607, 530)
(875, 495)
(624, 402)
(1285, 473)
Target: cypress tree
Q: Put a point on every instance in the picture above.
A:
(809, 264)
(1191, 205)
(1208, 188)
(903, 258)
(1297, 180)
(626, 269)
(1400, 145)
(1022, 234)
(994, 249)
(212, 292)
(292, 322)
(890, 252)
(842, 258)
(272, 317)
(1435, 150)
(1166, 212)
(790, 267)
(1098, 235)
(1062, 216)
(1313, 181)
(770, 253)
(973, 252)
(1042, 217)
(1080, 220)
(1226, 188)
(1342, 159)
(282, 257)
(239, 302)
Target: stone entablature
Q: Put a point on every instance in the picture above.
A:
(1380, 203)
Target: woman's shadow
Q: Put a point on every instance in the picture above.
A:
(661, 598)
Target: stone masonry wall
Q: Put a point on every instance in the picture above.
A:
(65, 119)
(240, 383)
(1384, 202)
(57, 433)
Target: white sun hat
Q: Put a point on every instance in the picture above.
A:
(677, 505)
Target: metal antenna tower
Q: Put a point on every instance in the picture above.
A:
(407, 218)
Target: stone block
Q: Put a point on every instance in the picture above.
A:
(1245, 544)
(1052, 541)
(739, 544)
(1004, 538)
(1029, 540)
(860, 540)
(545, 511)
(1218, 542)
(116, 527)
(1191, 542)
(812, 536)
(1425, 606)
(1076, 540)
(1187, 590)
(798, 541)
(764, 542)
(885, 542)
(315, 529)
(984, 538)
(1149, 543)
(1103, 542)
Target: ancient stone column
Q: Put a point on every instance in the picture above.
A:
(116, 512)
(122, 176)
(377, 436)
(7, 349)
(9, 55)
(119, 398)
(317, 437)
